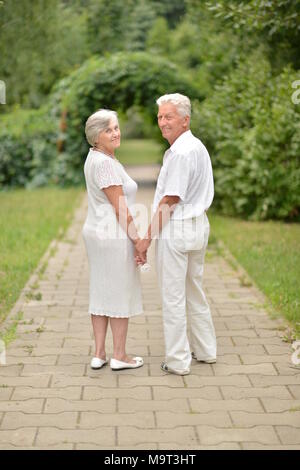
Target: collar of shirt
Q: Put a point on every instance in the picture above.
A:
(178, 143)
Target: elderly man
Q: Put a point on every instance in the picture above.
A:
(183, 194)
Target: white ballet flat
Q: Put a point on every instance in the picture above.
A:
(120, 365)
(97, 363)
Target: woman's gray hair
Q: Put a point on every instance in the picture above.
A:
(98, 122)
(181, 102)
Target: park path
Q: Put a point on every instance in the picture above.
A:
(51, 399)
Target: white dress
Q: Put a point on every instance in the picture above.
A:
(115, 288)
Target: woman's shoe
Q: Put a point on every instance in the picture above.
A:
(97, 363)
(120, 365)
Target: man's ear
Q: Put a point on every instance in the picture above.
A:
(186, 121)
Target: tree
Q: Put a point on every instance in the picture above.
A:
(40, 41)
(158, 40)
(275, 22)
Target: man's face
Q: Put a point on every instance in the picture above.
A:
(171, 123)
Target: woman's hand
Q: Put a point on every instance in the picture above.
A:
(141, 247)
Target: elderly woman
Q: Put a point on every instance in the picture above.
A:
(110, 237)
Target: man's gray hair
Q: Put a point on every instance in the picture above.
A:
(98, 122)
(181, 102)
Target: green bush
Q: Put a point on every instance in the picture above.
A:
(251, 128)
(117, 82)
(49, 145)
(27, 148)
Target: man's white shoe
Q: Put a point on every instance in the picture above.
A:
(166, 368)
(97, 363)
(120, 365)
(210, 360)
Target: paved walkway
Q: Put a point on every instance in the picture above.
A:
(50, 398)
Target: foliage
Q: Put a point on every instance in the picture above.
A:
(119, 82)
(40, 41)
(29, 140)
(27, 148)
(251, 127)
(277, 23)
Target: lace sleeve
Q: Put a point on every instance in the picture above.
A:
(106, 174)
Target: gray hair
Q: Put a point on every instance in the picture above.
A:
(98, 122)
(181, 102)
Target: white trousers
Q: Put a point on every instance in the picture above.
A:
(180, 253)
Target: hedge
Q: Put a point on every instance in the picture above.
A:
(49, 146)
(251, 127)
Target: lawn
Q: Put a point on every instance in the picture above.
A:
(270, 253)
(139, 152)
(29, 220)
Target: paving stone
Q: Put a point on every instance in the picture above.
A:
(166, 393)
(176, 405)
(139, 419)
(256, 446)
(10, 371)
(146, 446)
(247, 404)
(235, 393)
(137, 393)
(266, 369)
(295, 391)
(24, 393)
(222, 446)
(36, 381)
(5, 392)
(235, 380)
(210, 435)
(12, 420)
(245, 419)
(26, 406)
(59, 405)
(165, 380)
(55, 447)
(130, 436)
(169, 419)
(19, 437)
(263, 359)
(264, 381)
(41, 360)
(71, 370)
(286, 369)
(273, 405)
(289, 434)
(104, 436)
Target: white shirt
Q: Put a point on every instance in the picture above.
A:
(187, 173)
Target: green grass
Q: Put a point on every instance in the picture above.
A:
(29, 220)
(269, 252)
(139, 152)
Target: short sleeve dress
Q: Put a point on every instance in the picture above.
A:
(115, 288)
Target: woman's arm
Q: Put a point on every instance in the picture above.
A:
(116, 197)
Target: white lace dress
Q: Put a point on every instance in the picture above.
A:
(115, 288)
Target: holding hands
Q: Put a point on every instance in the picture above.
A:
(140, 252)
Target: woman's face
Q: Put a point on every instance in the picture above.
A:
(110, 138)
